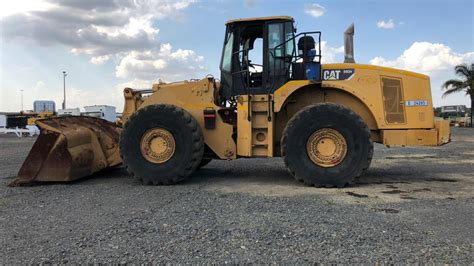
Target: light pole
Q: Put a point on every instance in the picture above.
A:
(21, 99)
(64, 87)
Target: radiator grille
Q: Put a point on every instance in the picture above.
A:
(393, 100)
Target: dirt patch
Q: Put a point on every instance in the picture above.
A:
(451, 161)
(421, 189)
(395, 191)
(408, 197)
(412, 173)
(356, 194)
(412, 156)
(371, 189)
(442, 180)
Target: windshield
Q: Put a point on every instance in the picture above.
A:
(227, 54)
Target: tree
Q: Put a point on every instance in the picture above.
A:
(464, 84)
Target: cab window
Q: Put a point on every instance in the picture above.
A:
(227, 56)
(275, 34)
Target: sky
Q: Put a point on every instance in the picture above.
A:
(105, 46)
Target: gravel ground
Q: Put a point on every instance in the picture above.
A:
(413, 205)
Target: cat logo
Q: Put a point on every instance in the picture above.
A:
(338, 74)
(331, 74)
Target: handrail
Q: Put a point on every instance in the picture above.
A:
(304, 34)
(294, 57)
(247, 77)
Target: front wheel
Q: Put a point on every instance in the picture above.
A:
(161, 144)
(326, 145)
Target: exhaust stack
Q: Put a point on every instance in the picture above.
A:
(349, 44)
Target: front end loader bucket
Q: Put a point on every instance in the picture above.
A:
(69, 148)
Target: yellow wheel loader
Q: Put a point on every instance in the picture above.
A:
(274, 99)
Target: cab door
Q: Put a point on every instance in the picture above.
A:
(279, 43)
(226, 64)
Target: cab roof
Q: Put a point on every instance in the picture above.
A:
(258, 19)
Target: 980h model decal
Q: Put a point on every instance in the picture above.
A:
(338, 74)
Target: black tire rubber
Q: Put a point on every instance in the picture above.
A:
(326, 115)
(188, 138)
(369, 160)
(204, 162)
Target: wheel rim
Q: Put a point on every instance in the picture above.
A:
(326, 147)
(157, 145)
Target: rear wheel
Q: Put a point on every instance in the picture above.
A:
(161, 144)
(326, 145)
(369, 159)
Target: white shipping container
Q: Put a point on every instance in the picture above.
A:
(106, 112)
(3, 121)
(69, 112)
(44, 106)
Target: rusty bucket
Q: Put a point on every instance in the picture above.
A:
(69, 148)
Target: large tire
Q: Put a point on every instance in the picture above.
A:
(326, 117)
(369, 160)
(188, 144)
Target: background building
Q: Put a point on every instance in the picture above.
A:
(106, 112)
(69, 112)
(453, 110)
(44, 106)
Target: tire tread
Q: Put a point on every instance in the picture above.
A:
(298, 118)
(197, 143)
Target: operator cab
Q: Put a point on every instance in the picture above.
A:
(259, 56)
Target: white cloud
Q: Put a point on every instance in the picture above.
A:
(134, 27)
(164, 64)
(137, 84)
(79, 97)
(434, 59)
(100, 29)
(122, 31)
(97, 60)
(331, 54)
(386, 24)
(75, 96)
(250, 3)
(314, 10)
(8, 8)
(40, 86)
(426, 57)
